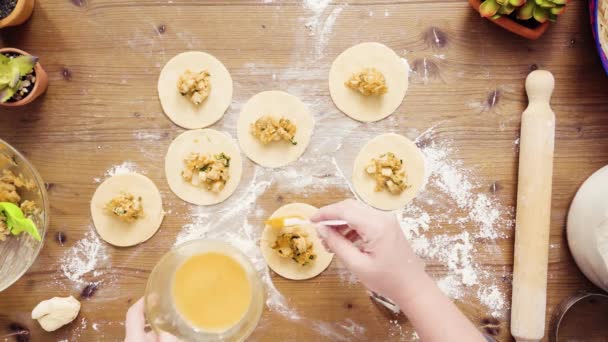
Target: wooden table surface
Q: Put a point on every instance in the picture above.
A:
(101, 109)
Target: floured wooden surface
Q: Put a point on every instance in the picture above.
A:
(101, 116)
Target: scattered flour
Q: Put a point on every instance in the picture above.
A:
(445, 228)
(84, 258)
(326, 30)
(124, 167)
(492, 298)
(319, 24)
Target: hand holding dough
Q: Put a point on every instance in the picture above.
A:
(56, 312)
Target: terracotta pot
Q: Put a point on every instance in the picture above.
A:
(42, 82)
(20, 14)
(513, 26)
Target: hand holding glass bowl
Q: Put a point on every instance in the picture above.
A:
(204, 290)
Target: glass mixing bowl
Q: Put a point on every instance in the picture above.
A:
(18, 253)
(161, 312)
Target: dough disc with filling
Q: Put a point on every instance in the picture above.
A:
(179, 108)
(413, 164)
(278, 104)
(203, 141)
(368, 55)
(117, 232)
(286, 267)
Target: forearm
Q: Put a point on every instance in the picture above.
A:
(433, 314)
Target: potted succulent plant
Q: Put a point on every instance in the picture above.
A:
(15, 12)
(527, 18)
(22, 79)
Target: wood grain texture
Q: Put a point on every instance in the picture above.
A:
(104, 56)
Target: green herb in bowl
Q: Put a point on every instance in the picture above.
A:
(12, 216)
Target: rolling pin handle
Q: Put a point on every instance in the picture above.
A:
(539, 86)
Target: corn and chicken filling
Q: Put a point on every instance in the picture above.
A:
(10, 184)
(268, 129)
(196, 86)
(295, 246)
(126, 207)
(368, 82)
(210, 172)
(388, 172)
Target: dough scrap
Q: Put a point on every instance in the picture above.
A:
(288, 268)
(205, 141)
(359, 57)
(179, 108)
(112, 229)
(279, 104)
(56, 312)
(413, 164)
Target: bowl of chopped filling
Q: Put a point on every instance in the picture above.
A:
(24, 208)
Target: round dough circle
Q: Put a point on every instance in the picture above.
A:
(205, 141)
(287, 268)
(117, 232)
(279, 104)
(177, 107)
(413, 163)
(368, 55)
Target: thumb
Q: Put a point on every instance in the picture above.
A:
(346, 251)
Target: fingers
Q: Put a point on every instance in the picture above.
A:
(359, 216)
(135, 322)
(344, 249)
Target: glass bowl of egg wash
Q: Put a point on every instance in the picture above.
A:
(204, 290)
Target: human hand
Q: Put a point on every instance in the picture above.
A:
(135, 326)
(372, 247)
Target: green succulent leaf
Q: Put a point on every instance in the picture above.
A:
(506, 9)
(558, 10)
(517, 3)
(552, 17)
(6, 94)
(488, 8)
(539, 2)
(541, 14)
(5, 74)
(4, 59)
(495, 16)
(15, 76)
(526, 11)
(502, 2)
(547, 4)
(25, 64)
(559, 2)
(17, 222)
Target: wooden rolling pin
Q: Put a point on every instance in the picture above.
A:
(533, 214)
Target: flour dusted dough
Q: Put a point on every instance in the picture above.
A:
(288, 268)
(56, 312)
(117, 232)
(588, 228)
(413, 163)
(203, 141)
(179, 108)
(368, 55)
(278, 104)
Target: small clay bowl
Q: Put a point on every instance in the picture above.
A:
(513, 26)
(42, 81)
(22, 12)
